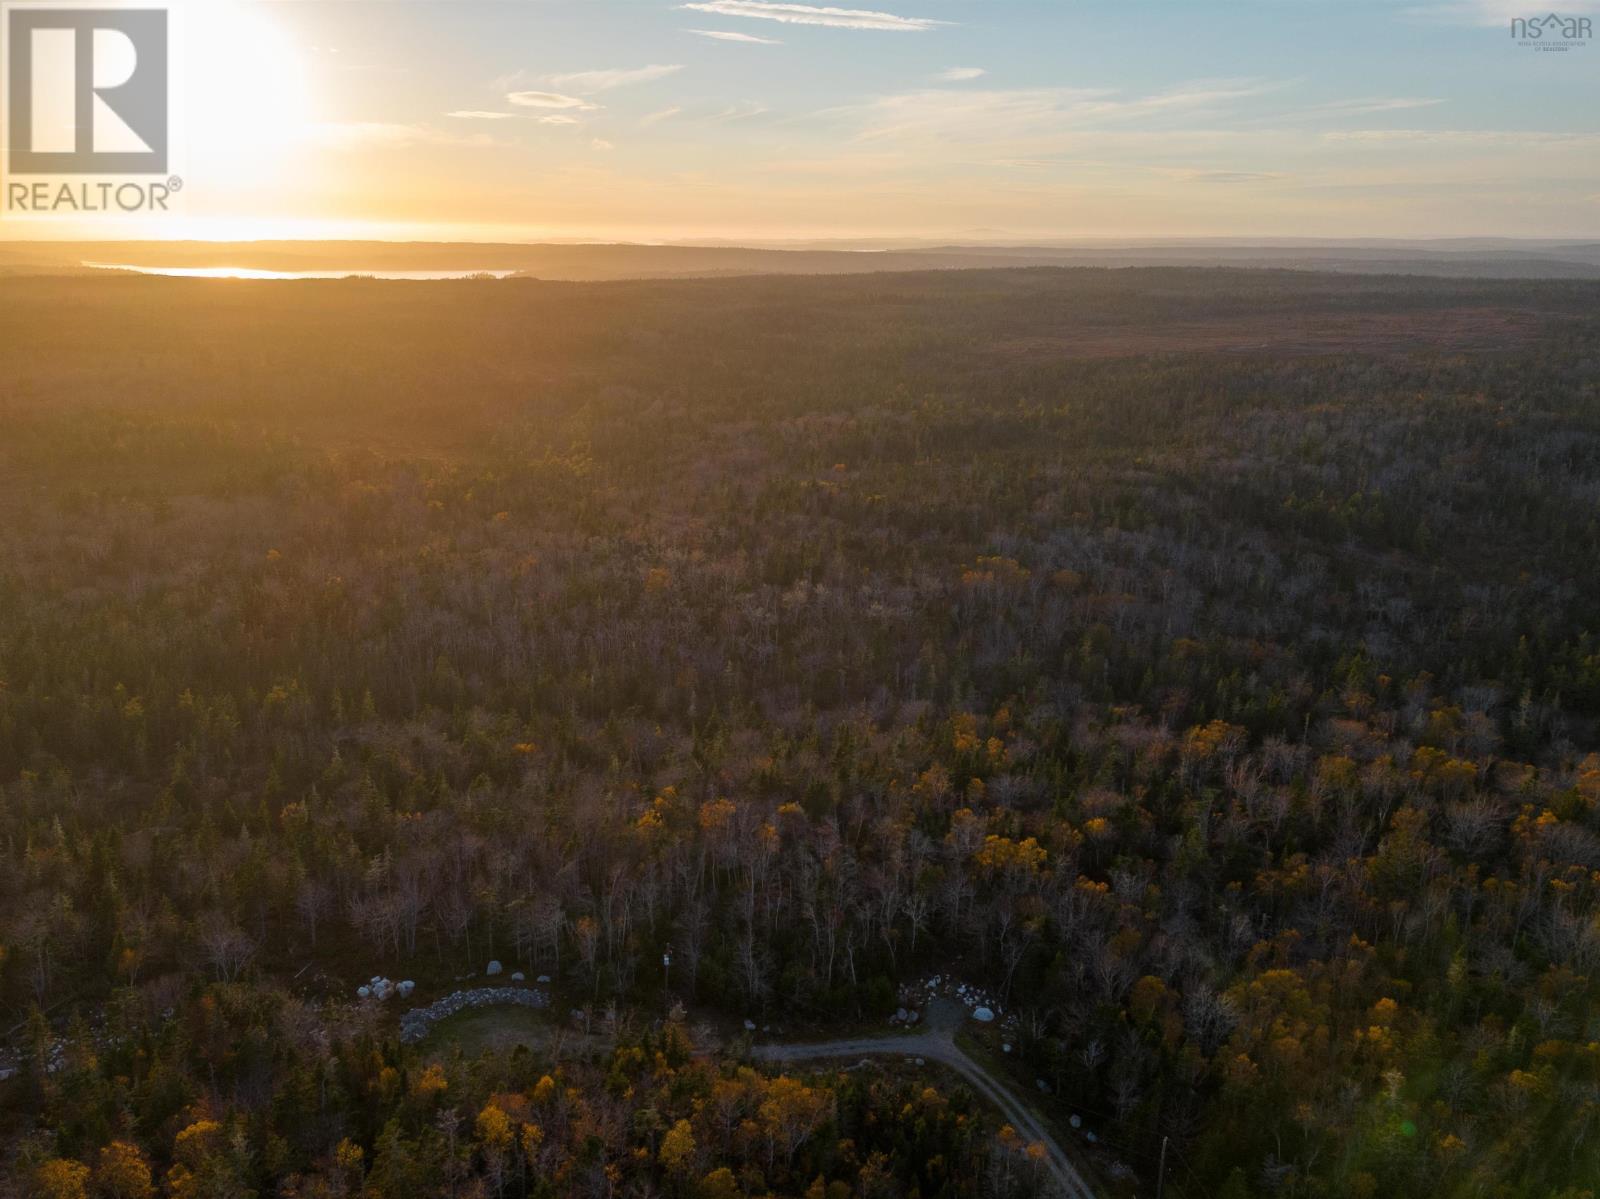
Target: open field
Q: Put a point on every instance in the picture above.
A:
(497, 1030)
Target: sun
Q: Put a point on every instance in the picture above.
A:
(246, 98)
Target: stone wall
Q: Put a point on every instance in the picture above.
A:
(414, 1025)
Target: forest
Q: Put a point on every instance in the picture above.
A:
(1204, 662)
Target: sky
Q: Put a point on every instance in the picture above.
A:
(970, 120)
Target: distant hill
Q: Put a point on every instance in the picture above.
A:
(1462, 258)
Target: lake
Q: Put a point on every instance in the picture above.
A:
(244, 272)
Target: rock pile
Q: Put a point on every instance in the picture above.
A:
(974, 999)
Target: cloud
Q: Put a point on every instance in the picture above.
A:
(723, 35)
(382, 135)
(738, 112)
(1335, 110)
(588, 82)
(809, 14)
(473, 115)
(1376, 104)
(1231, 176)
(1490, 138)
(1199, 96)
(350, 134)
(548, 100)
(960, 74)
(601, 144)
(939, 115)
(1497, 12)
(700, 113)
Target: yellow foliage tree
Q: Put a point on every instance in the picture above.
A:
(122, 1173)
(430, 1083)
(348, 1159)
(493, 1129)
(678, 1148)
(62, 1178)
(193, 1152)
(719, 1184)
(791, 1113)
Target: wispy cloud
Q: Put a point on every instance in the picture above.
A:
(724, 35)
(960, 74)
(940, 114)
(601, 144)
(738, 112)
(1497, 12)
(1226, 177)
(474, 115)
(655, 118)
(382, 135)
(809, 14)
(588, 82)
(548, 100)
(1468, 137)
(1199, 96)
(1336, 110)
(1374, 104)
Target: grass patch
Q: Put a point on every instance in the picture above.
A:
(490, 1030)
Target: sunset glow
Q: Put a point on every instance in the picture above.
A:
(949, 119)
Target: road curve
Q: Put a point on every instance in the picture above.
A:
(943, 1049)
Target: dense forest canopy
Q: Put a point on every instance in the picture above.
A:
(1205, 662)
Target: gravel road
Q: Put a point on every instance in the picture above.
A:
(938, 1044)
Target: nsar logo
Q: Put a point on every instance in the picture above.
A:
(1552, 32)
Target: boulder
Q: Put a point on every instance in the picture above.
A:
(749, 1026)
(543, 979)
(364, 992)
(494, 968)
(518, 976)
(405, 988)
(983, 1015)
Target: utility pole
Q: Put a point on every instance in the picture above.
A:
(1161, 1170)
